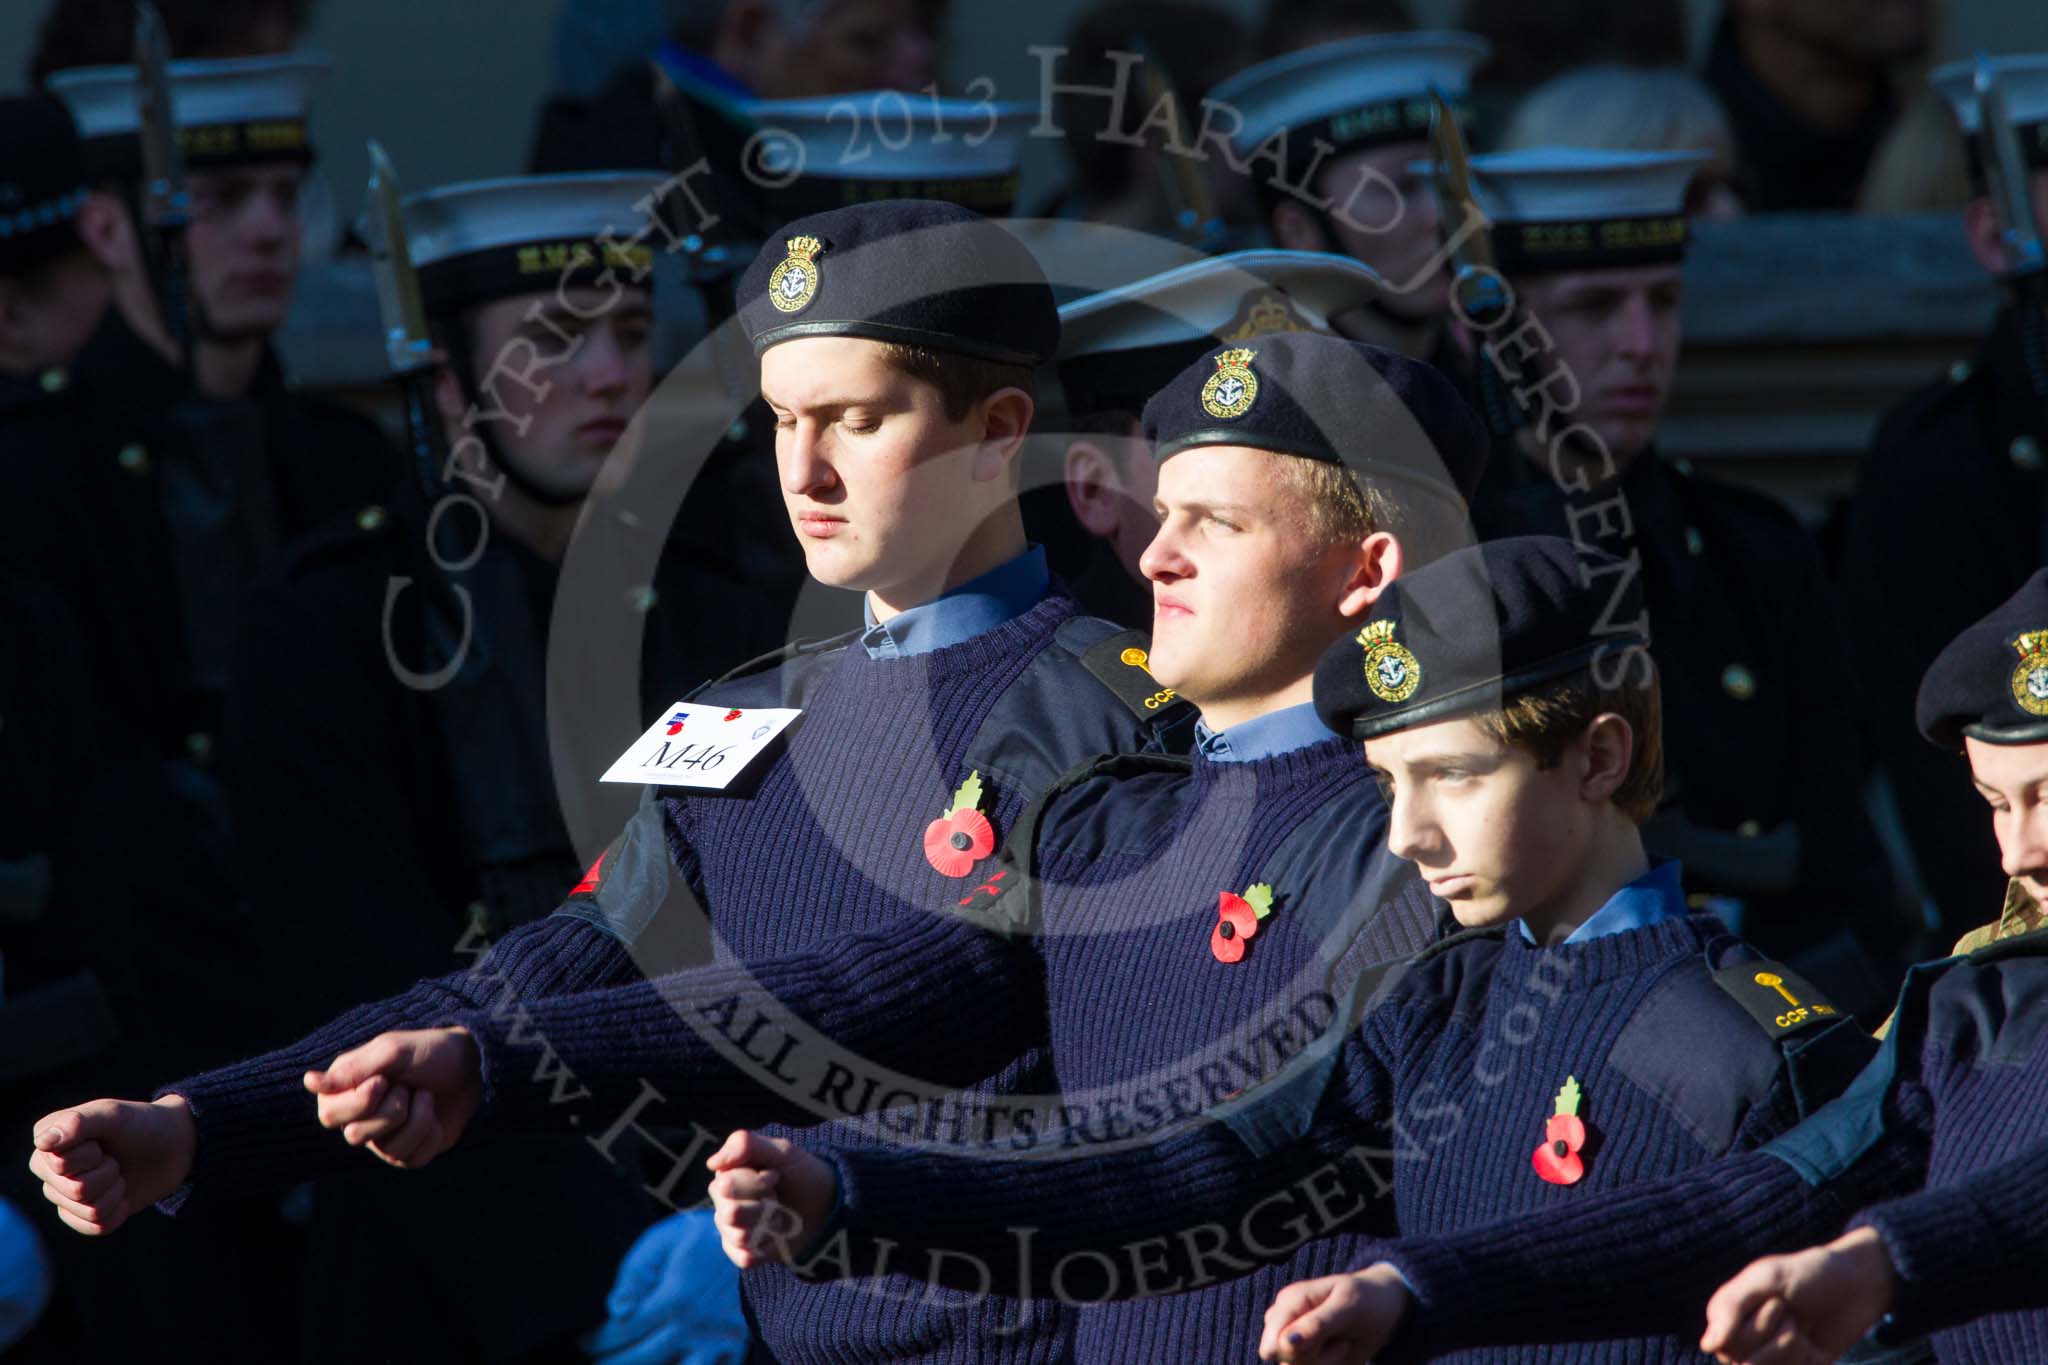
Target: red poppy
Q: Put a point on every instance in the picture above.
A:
(1558, 1159)
(1236, 921)
(962, 837)
(955, 843)
(732, 715)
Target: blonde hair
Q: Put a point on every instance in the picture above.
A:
(1545, 719)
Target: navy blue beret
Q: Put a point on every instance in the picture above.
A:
(916, 272)
(42, 181)
(1325, 398)
(1478, 627)
(1991, 683)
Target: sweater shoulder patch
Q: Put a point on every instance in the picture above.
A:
(625, 889)
(1688, 1046)
(1120, 664)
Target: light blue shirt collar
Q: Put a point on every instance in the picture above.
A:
(1267, 736)
(1652, 898)
(975, 607)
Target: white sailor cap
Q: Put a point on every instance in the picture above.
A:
(229, 112)
(1120, 346)
(2023, 79)
(1581, 208)
(492, 239)
(813, 155)
(1348, 94)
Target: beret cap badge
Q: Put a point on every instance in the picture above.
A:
(794, 283)
(1391, 671)
(1231, 391)
(2030, 679)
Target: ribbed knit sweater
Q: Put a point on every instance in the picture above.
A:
(1149, 1028)
(1441, 1096)
(1145, 1021)
(827, 842)
(1957, 1101)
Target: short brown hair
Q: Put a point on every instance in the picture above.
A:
(1545, 719)
(962, 381)
(1340, 509)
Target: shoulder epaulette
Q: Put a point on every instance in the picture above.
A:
(1929, 401)
(1119, 663)
(339, 535)
(48, 391)
(1708, 488)
(1780, 1000)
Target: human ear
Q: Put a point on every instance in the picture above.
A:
(1005, 420)
(104, 226)
(1296, 229)
(1608, 748)
(1980, 229)
(1378, 563)
(1095, 488)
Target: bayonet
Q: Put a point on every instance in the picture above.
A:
(1194, 207)
(1475, 283)
(166, 208)
(408, 346)
(2011, 190)
(713, 257)
(2005, 172)
(1478, 293)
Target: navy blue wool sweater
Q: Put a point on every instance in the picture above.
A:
(842, 810)
(1430, 1122)
(1115, 967)
(1942, 1141)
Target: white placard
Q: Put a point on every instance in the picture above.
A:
(706, 747)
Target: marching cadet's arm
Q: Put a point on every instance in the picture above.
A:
(1550, 1277)
(1965, 1250)
(937, 997)
(1193, 1207)
(254, 1121)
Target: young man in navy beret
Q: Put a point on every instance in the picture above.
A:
(1941, 1142)
(897, 343)
(1583, 1034)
